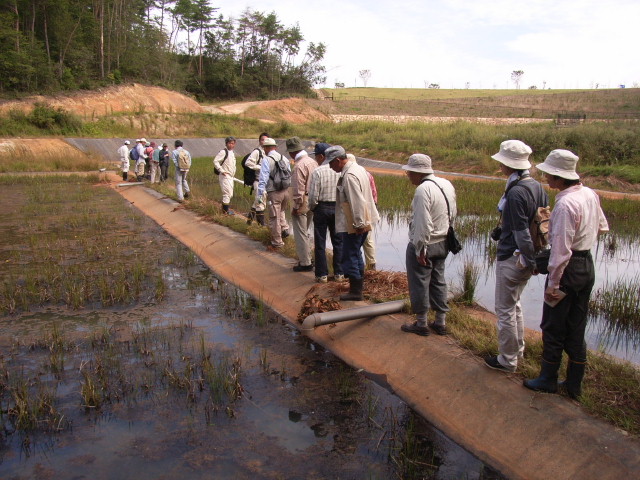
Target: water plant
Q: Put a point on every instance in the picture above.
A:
(618, 303)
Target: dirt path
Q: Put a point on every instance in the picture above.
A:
(520, 433)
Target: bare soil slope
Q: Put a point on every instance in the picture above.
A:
(292, 110)
(106, 101)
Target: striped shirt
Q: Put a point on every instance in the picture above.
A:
(323, 186)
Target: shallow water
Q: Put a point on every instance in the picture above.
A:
(391, 243)
(302, 413)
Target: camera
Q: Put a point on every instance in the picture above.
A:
(495, 233)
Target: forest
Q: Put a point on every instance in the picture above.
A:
(63, 45)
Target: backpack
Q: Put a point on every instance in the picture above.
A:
(281, 174)
(226, 154)
(249, 175)
(539, 225)
(184, 160)
(133, 154)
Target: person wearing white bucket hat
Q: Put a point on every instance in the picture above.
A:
(576, 221)
(515, 252)
(432, 210)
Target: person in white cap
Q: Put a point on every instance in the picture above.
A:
(123, 153)
(432, 211)
(576, 221)
(225, 163)
(515, 253)
(274, 181)
(140, 161)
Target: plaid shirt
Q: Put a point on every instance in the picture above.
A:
(323, 186)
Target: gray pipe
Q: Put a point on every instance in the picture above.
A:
(368, 311)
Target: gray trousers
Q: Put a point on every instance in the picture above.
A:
(302, 236)
(427, 286)
(510, 282)
(182, 186)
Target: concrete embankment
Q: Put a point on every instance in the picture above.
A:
(522, 434)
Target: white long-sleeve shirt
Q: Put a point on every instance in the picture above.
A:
(576, 221)
(229, 165)
(429, 219)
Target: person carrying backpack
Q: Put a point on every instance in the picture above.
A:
(224, 163)
(182, 161)
(275, 180)
(515, 261)
(252, 163)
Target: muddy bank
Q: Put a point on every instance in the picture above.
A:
(548, 436)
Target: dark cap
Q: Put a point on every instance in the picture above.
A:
(320, 148)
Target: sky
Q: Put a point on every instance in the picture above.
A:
(459, 43)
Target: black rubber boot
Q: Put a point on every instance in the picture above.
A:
(125, 175)
(548, 379)
(260, 218)
(355, 289)
(573, 384)
(251, 217)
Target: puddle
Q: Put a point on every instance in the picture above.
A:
(391, 243)
(202, 384)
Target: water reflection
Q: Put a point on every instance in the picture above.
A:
(614, 257)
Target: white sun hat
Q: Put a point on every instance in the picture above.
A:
(514, 154)
(561, 163)
(420, 163)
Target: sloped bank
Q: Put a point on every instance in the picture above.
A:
(520, 433)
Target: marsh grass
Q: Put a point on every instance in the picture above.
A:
(618, 305)
(75, 255)
(470, 273)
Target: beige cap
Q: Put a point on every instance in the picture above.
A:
(561, 163)
(514, 154)
(420, 163)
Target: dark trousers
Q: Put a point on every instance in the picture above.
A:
(164, 169)
(563, 326)
(324, 218)
(352, 260)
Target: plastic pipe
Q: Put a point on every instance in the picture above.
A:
(368, 311)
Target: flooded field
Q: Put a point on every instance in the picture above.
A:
(122, 356)
(619, 263)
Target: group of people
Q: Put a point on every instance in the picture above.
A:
(151, 163)
(333, 194)
(575, 223)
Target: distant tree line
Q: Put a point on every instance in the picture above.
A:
(51, 45)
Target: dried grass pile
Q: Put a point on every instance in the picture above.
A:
(317, 304)
(383, 286)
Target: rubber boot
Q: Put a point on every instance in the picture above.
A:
(573, 384)
(548, 379)
(227, 210)
(125, 176)
(355, 289)
(260, 218)
(251, 217)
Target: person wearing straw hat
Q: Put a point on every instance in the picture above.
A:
(576, 221)
(515, 254)
(432, 210)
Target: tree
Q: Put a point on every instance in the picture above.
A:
(516, 77)
(365, 75)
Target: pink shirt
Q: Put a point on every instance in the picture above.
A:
(575, 223)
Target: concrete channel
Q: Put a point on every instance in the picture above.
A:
(522, 434)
